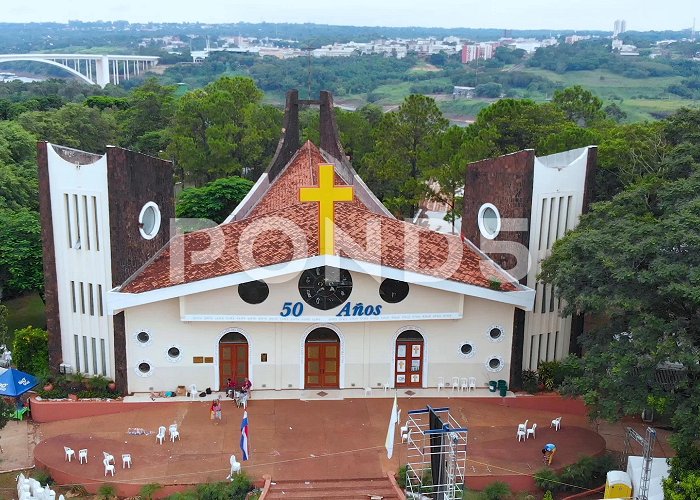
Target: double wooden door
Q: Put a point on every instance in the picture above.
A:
(322, 365)
(409, 364)
(233, 364)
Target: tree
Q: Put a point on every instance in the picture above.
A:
(73, 125)
(579, 105)
(21, 268)
(402, 153)
(30, 350)
(688, 488)
(215, 127)
(214, 201)
(149, 110)
(635, 260)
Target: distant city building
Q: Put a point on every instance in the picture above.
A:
(624, 50)
(529, 45)
(571, 39)
(458, 91)
(472, 52)
(620, 27)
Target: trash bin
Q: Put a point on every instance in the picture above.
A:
(492, 386)
(502, 383)
(503, 391)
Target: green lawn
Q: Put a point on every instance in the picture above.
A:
(468, 107)
(27, 310)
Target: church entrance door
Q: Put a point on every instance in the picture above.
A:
(322, 359)
(408, 364)
(233, 359)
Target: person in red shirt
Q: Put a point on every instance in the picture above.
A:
(247, 386)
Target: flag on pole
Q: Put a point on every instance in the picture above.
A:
(393, 420)
(244, 435)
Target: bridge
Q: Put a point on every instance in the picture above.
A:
(95, 69)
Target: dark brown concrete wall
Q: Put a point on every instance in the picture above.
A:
(330, 137)
(53, 323)
(506, 182)
(133, 180)
(289, 142)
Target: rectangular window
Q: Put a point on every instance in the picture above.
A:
(76, 346)
(539, 349)
(532, 350)
(534, 306)
(97, 225)
(551, 227)
(551, 299)
(85, 355)
(76, 215)
(198, 359)
(567, 224)
(72, 296)
(545, 201)
(544, 298)
(546, 351)
(99, 301)
(66, 202)
(82, 298)
(87, 222)
(91, 299)
(561, 218)
(103, 357)
(556, 342)
(94, 355)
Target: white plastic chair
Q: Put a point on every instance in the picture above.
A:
(404, 432)
(523, 427)
(193, 391)
(172, 428)
(455, 383)
(531, 430)
(82, 454)
(174, 434)
(521, 434)
(235, 467)
(69, 453)
(126, 460)
(108, 457)
(556, 423)
(387, 385)
(108, 467)
(472, 384)
(441, 383)
(368, 391)
(463, 384)
(161, 434)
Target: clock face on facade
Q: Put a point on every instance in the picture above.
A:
(325, 287)
(393, 291)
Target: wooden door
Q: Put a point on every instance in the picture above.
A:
(409, 364)
(233, 364)
(322, 365)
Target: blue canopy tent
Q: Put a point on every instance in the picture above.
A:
(14, 383)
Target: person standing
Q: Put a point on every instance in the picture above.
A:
(215, 411)
(548, 453)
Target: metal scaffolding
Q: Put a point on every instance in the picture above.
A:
(436, 454)
(647, 444)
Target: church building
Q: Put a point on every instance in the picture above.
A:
(309, 284)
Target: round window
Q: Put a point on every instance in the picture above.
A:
(253, 292)
(143, 337)
(467, 350)
(174, 352)
(495, 334)
(494, 364)
(144, 367)
(489, 220)
(393, 291)
(149, 220)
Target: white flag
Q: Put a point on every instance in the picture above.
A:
(393, 420)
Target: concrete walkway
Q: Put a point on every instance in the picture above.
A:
(17, 440)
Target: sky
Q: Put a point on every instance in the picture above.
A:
(640, 15)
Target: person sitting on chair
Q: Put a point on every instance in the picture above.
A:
(247, 386)
(230, 388)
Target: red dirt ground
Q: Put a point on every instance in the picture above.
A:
(292, 439)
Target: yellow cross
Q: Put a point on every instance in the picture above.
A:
(327, 193)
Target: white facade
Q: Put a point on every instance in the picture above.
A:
(80, 217)
(276, 348)
(557, 203)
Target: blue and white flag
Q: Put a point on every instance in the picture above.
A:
(393, 420)
(244, 435)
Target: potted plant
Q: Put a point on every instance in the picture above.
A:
(112, 385)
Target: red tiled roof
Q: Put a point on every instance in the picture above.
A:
(280, 225)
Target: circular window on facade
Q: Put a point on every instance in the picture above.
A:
(467, 350)
(174, 353)
(489, 220)
(494, 364)
(144, 369)
(496, 333)
(393, 291)
(143, 337)
(253, 292)
(149, 220)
